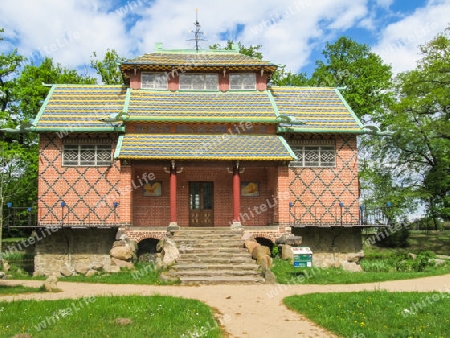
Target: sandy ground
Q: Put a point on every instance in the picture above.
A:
(245, 310)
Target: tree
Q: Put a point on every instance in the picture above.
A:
(108, 68)
(23, 94)
(252, 51)
(420, 121)
(30, 89)
(366, 78)
(281, 77)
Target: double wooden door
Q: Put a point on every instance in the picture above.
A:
(201, 204)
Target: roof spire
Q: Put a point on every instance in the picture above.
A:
(197, 33)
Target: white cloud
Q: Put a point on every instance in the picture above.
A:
(400, 40)
(70, 30)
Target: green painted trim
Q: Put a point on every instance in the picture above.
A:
(127, 102)
(87, 85)
(312, 130)
(272, 101)
(199, 119)
(44, 105)
(288, 148)
(349, 108)
(71, 130)
(118, 147)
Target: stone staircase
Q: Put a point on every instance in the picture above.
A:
(214, 256)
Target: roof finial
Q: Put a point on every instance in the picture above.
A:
(197, 33)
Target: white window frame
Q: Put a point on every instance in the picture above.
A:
(158, 81)
(101, 155)
(319, 151)
(187, 81)
(245, 81)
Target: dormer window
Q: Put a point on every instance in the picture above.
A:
(243, 81)
(154, 81)
(199, 81)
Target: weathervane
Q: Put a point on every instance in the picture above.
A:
(197, 32)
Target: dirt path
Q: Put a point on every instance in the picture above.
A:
(246, 310)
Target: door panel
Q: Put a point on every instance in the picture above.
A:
(201, 204)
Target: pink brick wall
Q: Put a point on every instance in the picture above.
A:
(89, 192)
(317, 192)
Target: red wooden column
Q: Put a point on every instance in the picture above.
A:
(173, 196)
(236, 196)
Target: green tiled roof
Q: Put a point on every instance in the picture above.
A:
(80, 108)
(254, 106)
(206, 147)
(90, 108)
(319, 109)
(193, 60)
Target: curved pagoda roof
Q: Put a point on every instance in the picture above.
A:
(193, 60)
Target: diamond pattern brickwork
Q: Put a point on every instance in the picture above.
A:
(88, 192)
(317, 192)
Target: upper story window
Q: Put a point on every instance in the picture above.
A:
(242, 81)
(87, 155)
(199, 81)
(154, 80)
(314, 156)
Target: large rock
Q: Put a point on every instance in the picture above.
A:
(122, 264)
(122, 252)
(269, 277)
(286, 252)
(265, 262)
(82, 268)
(282, 239)
(111, 269)
(351, 267)
(355, 257)
(294, 240)
(251, 245)
(91, 273)
(51, 284)
(438, 261)
(169, 251)
(96, 265)
(66, 271)
(260, 251)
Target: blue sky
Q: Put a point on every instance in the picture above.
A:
(292, 33)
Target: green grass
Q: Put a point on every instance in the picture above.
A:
(155, 316)
(437, 242)
(6, 290)
(377, 314)
(287, 274)
(142, 274)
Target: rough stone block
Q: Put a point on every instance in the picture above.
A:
(51, 284)
(81, 267)
(286, 252)
(260, 251)
(251, 245)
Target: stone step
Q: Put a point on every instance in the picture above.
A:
(221, 280)
(202, 244)
(211, 273)
(216, 251)
(208, 236)
(237, 259)
(247, 266)
(214, 256)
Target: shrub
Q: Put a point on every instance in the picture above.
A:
(394, 239)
